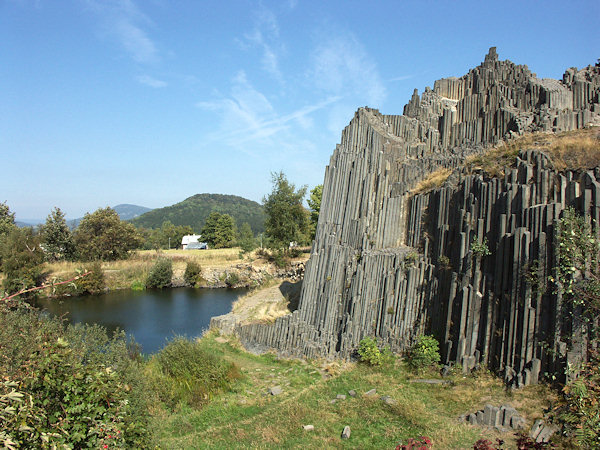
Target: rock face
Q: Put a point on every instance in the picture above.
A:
(395, 265)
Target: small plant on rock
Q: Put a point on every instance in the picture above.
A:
(480, 248)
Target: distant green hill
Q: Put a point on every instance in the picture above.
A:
(194, 210)
(128, 212)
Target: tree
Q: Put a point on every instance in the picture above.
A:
(7, 224)
(56, 237)
(287, 220)
(219, 230)
(168, 235)
(314, 203)
(102, 235)
(7, 219)
(21, 260)
(246, 239)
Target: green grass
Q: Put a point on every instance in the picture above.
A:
(246, 417)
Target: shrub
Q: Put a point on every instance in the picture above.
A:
(193, 273)
(370, 353)
(424, 353)
(232, 279)
(191, 374)
(160, 275)
(70, 387)
(93, 283)
(580, 409)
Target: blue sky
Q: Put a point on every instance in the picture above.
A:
(149, 102)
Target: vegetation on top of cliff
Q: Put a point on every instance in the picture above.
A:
(569, 150)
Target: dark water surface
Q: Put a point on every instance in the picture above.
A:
(151, 316)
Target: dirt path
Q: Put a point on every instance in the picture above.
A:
(264, 304)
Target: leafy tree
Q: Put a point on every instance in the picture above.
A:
(102, 235)
(287, 220)
(168, 235)
(7, 219)
(56, 237)
(314, 203)
(219, 230)
(21, 260)
(246, 239)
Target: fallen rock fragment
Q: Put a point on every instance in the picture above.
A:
(346, 432)
(275, 390)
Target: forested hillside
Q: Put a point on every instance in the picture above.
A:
(194, 210)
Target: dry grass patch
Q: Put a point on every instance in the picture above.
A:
(569, 150)
(433, 181)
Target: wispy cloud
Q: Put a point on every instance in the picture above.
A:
(341, 65)
(124, 22)
(247, 116)
(265, 36)
(401, 78)
(150, 81)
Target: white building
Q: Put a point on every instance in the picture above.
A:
(188, 239)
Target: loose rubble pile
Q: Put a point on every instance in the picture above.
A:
(506, 417)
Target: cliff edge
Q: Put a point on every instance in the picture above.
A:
(390, 263)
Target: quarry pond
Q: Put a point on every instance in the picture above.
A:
(150, 316)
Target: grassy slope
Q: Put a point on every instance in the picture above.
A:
(247, 418)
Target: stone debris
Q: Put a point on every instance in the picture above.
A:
(275, 390)
(352, 393)
(394, 262)
(346, 432)
(501, 417)
(371, 392)
(341, 397)
(431, 381)
(308, 427)
(541, 432)
(388, 400)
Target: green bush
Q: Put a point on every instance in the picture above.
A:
(369, 352)
(425, 352)
(189, 373)
(160, 275)
(93, 283)
(70, 387)
(193, 273)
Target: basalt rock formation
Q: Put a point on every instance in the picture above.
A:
(390, 263)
